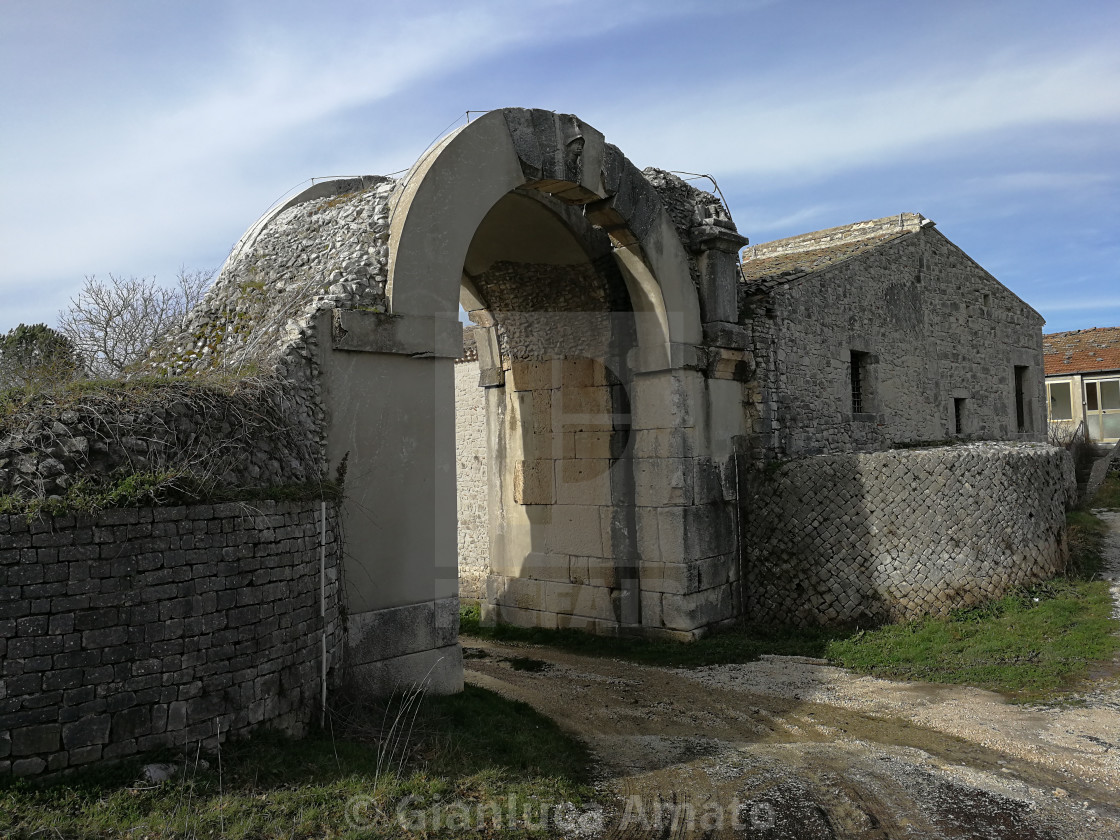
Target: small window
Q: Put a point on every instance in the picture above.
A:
(859, 382)
(1059, 401)
(1022, 384)
(1110, 394)
(1091, 396)
(987, 300)
(958, 414)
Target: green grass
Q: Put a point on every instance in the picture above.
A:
(1031, 645)
(744, 643)
(475, 747)
(1108, 496)
(1028, 645)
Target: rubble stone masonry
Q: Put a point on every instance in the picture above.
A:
(471, 465)
(841, 539)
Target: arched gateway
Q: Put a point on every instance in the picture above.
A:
(609, 474)
(613, 364)
(635, 380)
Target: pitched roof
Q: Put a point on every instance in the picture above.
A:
(1081, 351)
(773, 263)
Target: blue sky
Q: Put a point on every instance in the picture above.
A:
(141, 135)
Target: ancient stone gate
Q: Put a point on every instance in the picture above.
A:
(614, 390)
(656, 463)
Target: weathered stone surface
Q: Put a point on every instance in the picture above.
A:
(897, 535)
(143, 659)
(900, 292)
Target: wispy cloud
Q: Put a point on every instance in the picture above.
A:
(133, 176)
(1035, 181)
(757, 221)
(804, 130)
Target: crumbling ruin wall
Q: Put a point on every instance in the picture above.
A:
(861, 538)
(325, 250)
(190, 435)
(133, 629)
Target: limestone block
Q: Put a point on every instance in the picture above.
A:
(499, 613)
(713, 481)
(663, 443)
(577, 570)
(695, 531)
(667, 400)
(663, 481)
(544, 445)
(533, 482)
(575, 529)
(657, 576)
(522, 593)
(648, 542)
(596, 626)
(534, 375)
(539, 419)
(439, 671)
(651, 609)
(397, 631)
(614, 540)
(587, 445)
(690, 612)
(540, 566)
(584, 481)
(690, 576)
(597, 571)
(586, 404)
(583, 373)
(566, 598)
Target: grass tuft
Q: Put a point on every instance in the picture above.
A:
(475, 747)
(1108, 496)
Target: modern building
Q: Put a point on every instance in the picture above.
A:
(1083, 383)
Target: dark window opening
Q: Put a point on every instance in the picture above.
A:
(1021, 380)
(859, 375)
(958, 414)
(987, 300)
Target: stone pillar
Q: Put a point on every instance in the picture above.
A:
(716, 245)
(387, 383)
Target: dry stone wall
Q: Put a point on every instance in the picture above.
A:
(218, 437)
(133, 629)
(323, 252)
(841, 539)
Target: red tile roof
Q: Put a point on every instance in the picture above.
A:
(1081, 351)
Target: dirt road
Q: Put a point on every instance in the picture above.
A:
(785, 748)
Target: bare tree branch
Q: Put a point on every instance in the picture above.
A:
(114, 323)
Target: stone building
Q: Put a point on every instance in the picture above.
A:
(883, 333)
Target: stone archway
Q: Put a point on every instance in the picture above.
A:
(664, 544)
